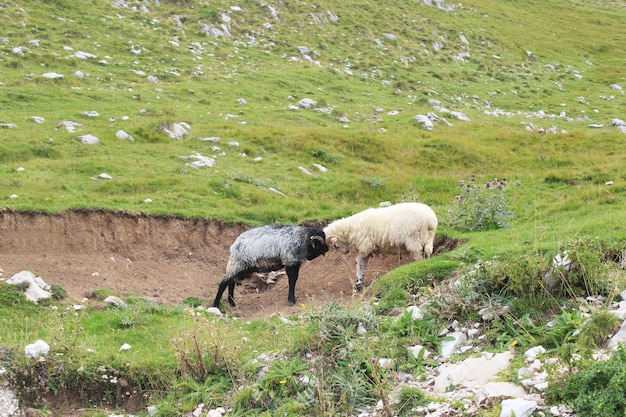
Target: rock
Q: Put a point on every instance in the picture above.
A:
(121, 135)
(115, 301)
(89, 140)
(416, 351)
(532, 353)
(618, 338)
(37, 289)
(214, 310)
(307, 103)
(176, 130)
(449, 346)
(201, 161)
(125, 347)
(472, 372)
(518, 408)
(493, 392)
(424, 122)
(37, 349)
(416, 312)
(51, 75)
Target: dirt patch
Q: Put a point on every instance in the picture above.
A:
(164, 258)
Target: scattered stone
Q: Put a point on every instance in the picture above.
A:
(89, 140)
(52, 75)
(37, 349)
(84, 55)
(201, 161)
(472, 372)
(115, 301)
(121, 135)
(8, 126)
(307, 103)
(214, 310)
(125, 347)
(37, 289)
(518, 408)
(176, 130)
(38, 119)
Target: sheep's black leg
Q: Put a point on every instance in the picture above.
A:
(220, 291)
(292, 273)
(231, 292)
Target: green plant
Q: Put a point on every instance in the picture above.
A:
(597, 390)
(481, 207)
(410, 398)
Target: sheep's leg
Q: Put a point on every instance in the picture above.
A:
(225, 283)
(361, 264)
(292, 274)
(231, 292)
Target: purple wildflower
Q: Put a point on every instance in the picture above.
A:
(461, 183)
(487, 184)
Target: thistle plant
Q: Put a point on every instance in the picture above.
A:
(481, 207)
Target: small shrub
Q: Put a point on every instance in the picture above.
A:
(374, 182)
(481, 207)
(409, 398)
(595, 391)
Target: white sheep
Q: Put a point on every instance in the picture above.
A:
(401, 228)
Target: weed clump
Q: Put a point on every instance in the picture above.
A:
(481, 207)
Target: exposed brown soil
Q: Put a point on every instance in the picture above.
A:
(164, 258)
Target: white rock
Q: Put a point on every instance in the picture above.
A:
(303, 169)
(518, 408)
(115, 301)
(416, 312)
(532, 353)
(125, 347)
(38, 119)
(105, 176)
(37, 349)
(320, 167)
(449, 346)
(51, 75)
(307, 103)
(121, 135)
(201, 161)
(492, 392)
(424, 122)
(89, 139)
(472, 372)
(416, 351)
(385, 363)
(37, 289)
(214, 310)
(84, 55)
(211, 139)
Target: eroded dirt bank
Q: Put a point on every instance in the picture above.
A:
(166, 258)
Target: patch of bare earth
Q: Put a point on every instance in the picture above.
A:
(163, 258)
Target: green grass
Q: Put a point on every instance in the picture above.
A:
(525, 58)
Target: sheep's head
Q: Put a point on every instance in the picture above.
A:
(316, 247)
(334, 242)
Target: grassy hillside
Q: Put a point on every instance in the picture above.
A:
(370, 69)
